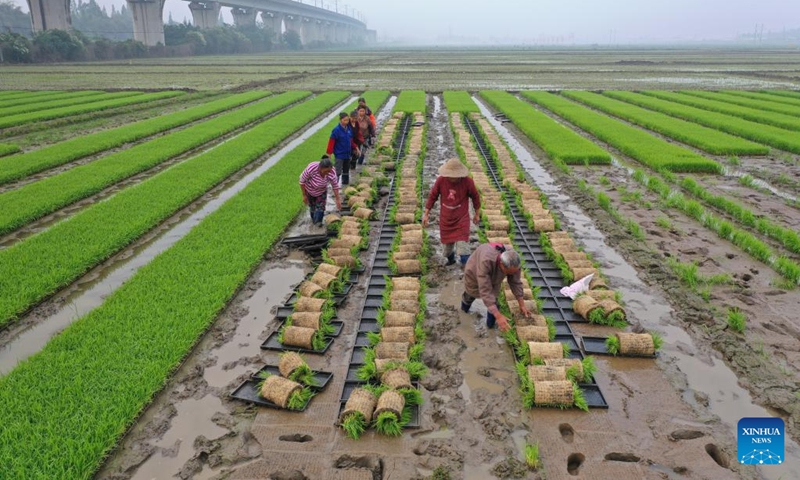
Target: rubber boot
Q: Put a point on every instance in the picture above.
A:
(451, 259)
(490, 320)
(317, 217)
(465, 306)
(345, 179)
(464, 259)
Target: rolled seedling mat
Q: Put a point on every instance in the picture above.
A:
(308, 289)
(636, 344)
(610, 306)
(329, 269)
(350, 190)
(361, 401)
(600, 295)
(410, 247)
(412, 227)
(495, 233)
(405, 267)
(570, 256)
(578, 264)
(405, 283)
(598, 283)
(308, 304)
(513, 307)
(350, 229)
(405, 218)
(545, 350)
(289, 362)
(323, 279)
(346, 241)
(363, 213)
(416, 241)
(339, 252)
(546, 373)
(500, 225)
(299, 337)
(398, 334)
(566, 363)
(392, 351)
(306, 320)
(345, 261)
(501, 240)
(584, 305)
(579, 273)
(544, 225)
(398, 295)
(553, 393)
(533, 321)
(533, 334)
(557, 234)
(332, 218)
(279, 390)
(399, 319)
(354, 200)
(558, 243)
(397, 256)
(391, 401)
(565, 248)
(397, 378)
(410, 306)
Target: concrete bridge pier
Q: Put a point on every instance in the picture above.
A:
(273, 20)
(205, 14)
(49, 15)
(244, 17)
(294, 23)
(309, 31)
(148, 21)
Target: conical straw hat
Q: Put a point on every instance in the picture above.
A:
(453, 168)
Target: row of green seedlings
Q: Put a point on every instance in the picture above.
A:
(392, 363)
(788, 122)
(407, 209)
(8, 149)
(93, 107)
(34, 200)
(85, 97)
(42, 97)
(786, 267)
(754, 101)
(542, 364)
(385, 153)
(77, 244)
(642, 146)
(769, 135)
(19, 166)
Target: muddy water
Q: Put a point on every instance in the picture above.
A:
(702, 370)
(93, 288)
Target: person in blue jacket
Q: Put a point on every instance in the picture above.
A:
(342, 145)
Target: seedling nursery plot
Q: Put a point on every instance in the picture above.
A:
(164, 290)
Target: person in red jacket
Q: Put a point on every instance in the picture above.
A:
(358, 138)
(456, 189)
(341, 145)
(363, 103)
(367, 131)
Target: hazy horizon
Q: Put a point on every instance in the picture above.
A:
(562, 22)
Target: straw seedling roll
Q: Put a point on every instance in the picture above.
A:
(358, 412)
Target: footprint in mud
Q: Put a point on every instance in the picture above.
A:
(622, 457)
(293, 475)
(685, 435)
(718, 455)
(567, 433)
(574, 463)
(297, 438)
(372, 463)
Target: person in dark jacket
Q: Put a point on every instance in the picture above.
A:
(363, 103)
(341, 145)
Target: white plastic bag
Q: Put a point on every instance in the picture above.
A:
(580, 286)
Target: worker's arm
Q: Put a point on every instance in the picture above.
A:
(432, 198)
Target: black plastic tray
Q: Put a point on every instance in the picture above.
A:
(248, 392)
(349, 386)
(322, 378)
(597, 346)
(273, 344)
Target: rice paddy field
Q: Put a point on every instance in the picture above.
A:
(168, 309)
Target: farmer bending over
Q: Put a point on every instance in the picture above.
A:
(483, 276)
(314, 184)
(342, 145)
(456, 188)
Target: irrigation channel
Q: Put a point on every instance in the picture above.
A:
(32, 332)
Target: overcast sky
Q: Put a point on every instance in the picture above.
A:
(586, 21)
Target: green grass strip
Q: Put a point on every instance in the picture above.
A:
(97, 106)
(766, 134)
(13, 94)
(559, 142)
(40, 265)
(766, 118)
(460, 101)
(77, 99)
(783, 93)
(53, 97)
(26, 204)
(8, 149)
(20, 166)
(104, 369)
(706, 139)
(639, 145)
(765, 97)
(758, 105)
(410, 101)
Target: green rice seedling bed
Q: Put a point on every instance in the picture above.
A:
(26, 204)
(8, 149)
(779, 120)
(96, 106)
(80, 98)
(560, 143)
(410, 101)
(32, 101)
(40, 265)
(706, 139)
(766, 134)
(20, 166)
(782, 93)
(460, 101)
(104, 369)
(641, 146)
(758, 104)
(765, 97)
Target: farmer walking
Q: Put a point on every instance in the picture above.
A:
(342, 145)
(367, 131)
(483, 276)
(358, 138)
(314, 183)
(368, 111)
(456, 189)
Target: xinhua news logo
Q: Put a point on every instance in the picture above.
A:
(761, 441)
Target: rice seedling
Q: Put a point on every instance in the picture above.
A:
(612, 345)
(736, 320)
(354, 425)
(388, 424)
(664, 222)
(604, 181)
(442, 472)
(40, 105)
(532, 459)
(459, 101)
(410, 101)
